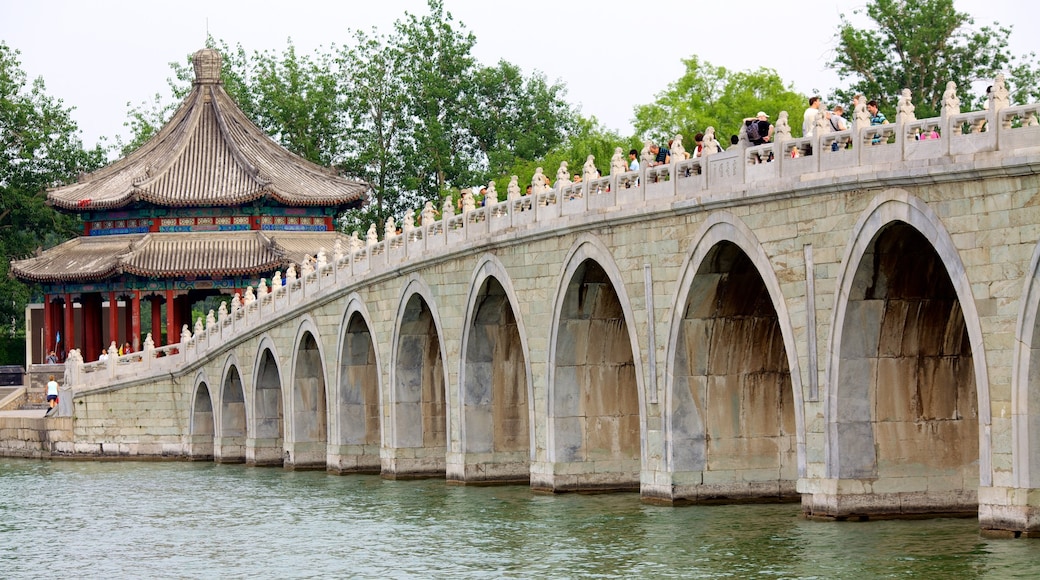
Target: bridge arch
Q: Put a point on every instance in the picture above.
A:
(891, 326)
(494, 390)
(733, 390)
(1025, 383)
(356, 421)
(231, 420)
(419, 419)
(202, 427)
(596, 402)
(266, 444)
(307, 425)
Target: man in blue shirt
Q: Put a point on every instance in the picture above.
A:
(662, 156)
(876, 118)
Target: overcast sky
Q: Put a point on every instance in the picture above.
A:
(99, 55)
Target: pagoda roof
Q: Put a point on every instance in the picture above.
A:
(208, 154)
(173, 255)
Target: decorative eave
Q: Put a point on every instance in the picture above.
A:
(174, 255)
(208, 155)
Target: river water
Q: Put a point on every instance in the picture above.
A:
(80, 519)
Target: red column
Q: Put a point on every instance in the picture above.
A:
(92, 337)
(156, 320)
(68, 335)
(135, 320)
(48, 325)
(113, 319)
(173, 334)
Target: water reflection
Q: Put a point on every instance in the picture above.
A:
(203, 520)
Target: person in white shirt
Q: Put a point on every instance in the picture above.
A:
(809, 118)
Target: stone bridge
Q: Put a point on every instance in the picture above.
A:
(853, 327)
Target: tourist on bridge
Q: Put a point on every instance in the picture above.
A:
(662, 156)
(759, 129)
(633, 160)
(52, 392)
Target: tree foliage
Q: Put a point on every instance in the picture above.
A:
(39, 148)
(921, 45)
(707, 95)
(410, 111)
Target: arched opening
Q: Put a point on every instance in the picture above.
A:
(202, 426)
(230, 445)
(420, 407)
(907, 410)
(309, 420)
(495, 408)
(595, 395)
(732, 405)
(266, 447)
(358, 408)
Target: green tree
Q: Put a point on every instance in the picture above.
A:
(921, 45)
(39, 148)
(707, 95)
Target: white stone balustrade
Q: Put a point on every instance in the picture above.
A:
(723, 177)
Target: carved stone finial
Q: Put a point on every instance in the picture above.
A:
(222, 312)
(185, 337)
(589, 171)
(389, 228)
(149, 344)
(236, 302)
(276, 281)
(468, 203)
(429, 215)
(860, 113)
(372, 238)
(645, 155)
(678, 151)
(321, 261)
(113, 350)
(409, 221)
(999, 95)
(307, 267)
(337, 250)
(290, 273)
(905, 108)
(249, 297)
(355, 242)
(199, 328)
(491, 195)
(538, 182)
(261, 288)
(617, 162)
(448, 209)
(782, 129)
(513, 189)
(211, 319)
(563, 176)
(709, 145)
(951, 103)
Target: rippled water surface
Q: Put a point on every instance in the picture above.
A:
(141, 520)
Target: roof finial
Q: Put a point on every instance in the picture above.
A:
(207, 66)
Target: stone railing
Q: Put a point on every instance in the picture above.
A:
(736, 173)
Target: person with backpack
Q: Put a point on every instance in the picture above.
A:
(759, 129)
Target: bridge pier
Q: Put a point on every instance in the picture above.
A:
(1009, 511)
(353, 459)
(711, 487)
(229, 449)
(264, 451)
(200, 447)
(862, 499)
(306, 455)
(413, 462)
(585, 476)
(488, 468)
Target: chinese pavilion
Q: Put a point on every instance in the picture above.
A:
(207, 206)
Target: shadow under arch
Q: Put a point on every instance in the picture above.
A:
(494, 391)
(419, 420)
(596, 400)
(356, 419)
(230, 442)
(904, 324)
(266, 444)
(202, 427)
(733, 390)
(306, 445)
